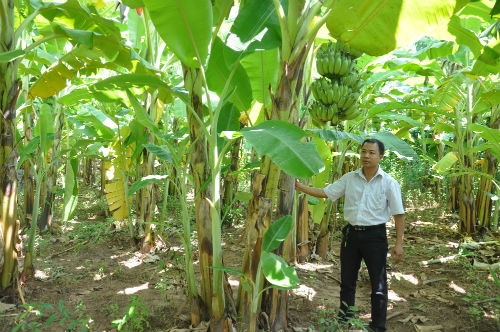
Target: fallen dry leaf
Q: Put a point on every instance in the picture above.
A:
(433, 328)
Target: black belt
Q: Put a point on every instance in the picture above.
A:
(366, 228)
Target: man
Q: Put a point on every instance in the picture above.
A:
(371, 197)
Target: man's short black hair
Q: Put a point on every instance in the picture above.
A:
(381, 146)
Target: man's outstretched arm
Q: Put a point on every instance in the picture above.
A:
(316, 192)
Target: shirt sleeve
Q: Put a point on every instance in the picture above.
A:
(394, 198)
(337, 189)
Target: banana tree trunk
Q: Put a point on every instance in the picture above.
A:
(486, 191)
(51, 175)
(264, 184)
(278, 299)
(103, 179)
(453, 201)
(467, 207)
(200, 170)
(28, 174)
(340, 165)
(324, 230)
(88, 171)
(303, 230)
(146, 204)
(230, 185)
(173, 181)
(9, 92)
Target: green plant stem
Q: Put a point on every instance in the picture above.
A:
(188, 255)
(34, 219)
(125, 182)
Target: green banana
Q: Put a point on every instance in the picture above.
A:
(352, 115)
(329, 112)
(349, 111)
(336, 92)
(330, 63)
(342, 100)
(329, 94)
(314, 89)
(346, 63)
(335, 119)
(350, 101)
(319, 68)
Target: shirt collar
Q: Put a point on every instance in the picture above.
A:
(380, 172)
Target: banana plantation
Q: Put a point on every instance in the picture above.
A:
(150, 149)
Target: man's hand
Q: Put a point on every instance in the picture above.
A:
(316, 192)
(297, 184)
(397, 253)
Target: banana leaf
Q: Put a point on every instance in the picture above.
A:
(283, 143)
(185, 26)
(377, 27)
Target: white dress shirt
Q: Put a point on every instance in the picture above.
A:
(367, 203)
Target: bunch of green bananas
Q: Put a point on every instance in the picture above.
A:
(337, 91)
(333, 64)
(352, 80)
(321, 114)
(347, 49)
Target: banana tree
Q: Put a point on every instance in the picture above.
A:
(291, 29)
(36, 152)
(187, 30)
(9, 91)
(471, 140)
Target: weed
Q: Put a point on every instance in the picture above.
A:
(113, 309)
(329, 321)
(46, 317)
(135, 318)
(91, 231)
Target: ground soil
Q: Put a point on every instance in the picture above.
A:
(94, 278)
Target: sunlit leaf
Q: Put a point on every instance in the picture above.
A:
(70, 188)
(277, 271)
(161, 151)
(115, 191)
(276, 233)
(144, 182)
(224, 69)
(11, 55)
(186, 27)
(255, 32)
(282, 142)
(446, 162)
(379, 26)
(262, 69)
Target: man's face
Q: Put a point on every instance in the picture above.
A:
(370, 155)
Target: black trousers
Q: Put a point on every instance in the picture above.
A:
(368, 244)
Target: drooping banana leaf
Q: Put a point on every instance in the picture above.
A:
(377, 27)
(391, 141)
(262, 68)
(278, 272)
(146, 181)
(115, 191)
(320, 179)
(282, 142)
(224, 69)
(70, 188)
(185, 26)
(277, 233)
(446, 162)
(256, 32)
